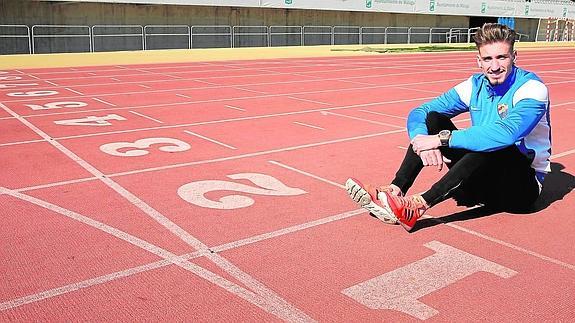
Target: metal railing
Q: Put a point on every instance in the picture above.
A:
(160, 37)
(20, 39)
(15, 39)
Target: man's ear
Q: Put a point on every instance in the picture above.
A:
(478, 61)
(514, 56)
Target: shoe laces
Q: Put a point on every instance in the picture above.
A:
(413, 202)
(388, 189)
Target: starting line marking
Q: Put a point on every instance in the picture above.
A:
(362, 119)
(183, 96)
(306, 100)
(209, 139)
(260, 296)
(162, 263)
(105, 102)
(234, 108)
(308, 125)
(74, 91)
(383, 114)
(145, 116)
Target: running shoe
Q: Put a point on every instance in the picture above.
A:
(366, 196)
(406, 209)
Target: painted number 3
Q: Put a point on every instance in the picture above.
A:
(135, 149)
(195, 192)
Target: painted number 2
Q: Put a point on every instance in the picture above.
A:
(195, 192)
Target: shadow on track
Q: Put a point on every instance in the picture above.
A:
(557, 185)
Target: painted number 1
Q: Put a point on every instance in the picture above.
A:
(402, 288)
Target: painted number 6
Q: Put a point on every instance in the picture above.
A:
(32, 93)
(134, 149)
(194, 192)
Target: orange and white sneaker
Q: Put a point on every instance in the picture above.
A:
(406, 209)
(367, 197)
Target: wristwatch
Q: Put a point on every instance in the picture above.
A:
(444, 136)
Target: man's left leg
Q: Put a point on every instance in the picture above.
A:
(505, 175)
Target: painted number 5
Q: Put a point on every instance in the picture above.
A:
(134, 149)
(195, 192)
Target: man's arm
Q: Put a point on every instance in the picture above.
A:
(450, 103)
(530, 105)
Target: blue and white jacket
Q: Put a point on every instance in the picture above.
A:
(514, 112)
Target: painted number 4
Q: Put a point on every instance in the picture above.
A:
(195, 192)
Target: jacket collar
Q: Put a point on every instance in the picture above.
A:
(502, 88)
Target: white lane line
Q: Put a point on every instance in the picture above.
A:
(248, 90)
(115, 79)
(383, 114)
(362, 119)
(257, 117)
(167, 75)
(73, 181)
(265, 298)
(455, 226)
(510, 245)
(308, 125)
(235, 108)
(402, 147)
(205, 82)
(562, 104)
(51, 83)
(270, 95)
(307, 174)
(105, 102)
(420, 90)
(375, 62)
(570, 109)
(288, 230)
(354, 82)
(93, 74)
(209, 139)
(260, 153)
(21, 142)
(34, 76)
(144, 86)
(306, 100)
(563, 154)
(145, 116)
(184, 96)
(74, 91)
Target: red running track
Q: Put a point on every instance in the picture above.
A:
(213, 192)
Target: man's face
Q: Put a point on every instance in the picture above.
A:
(496, 61)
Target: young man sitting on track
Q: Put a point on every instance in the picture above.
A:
(500, 161)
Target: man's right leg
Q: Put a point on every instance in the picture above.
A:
(412, 164)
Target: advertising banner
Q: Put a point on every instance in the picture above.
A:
(494, 8)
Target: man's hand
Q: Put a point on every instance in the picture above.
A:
(425, 142)
(433, 157)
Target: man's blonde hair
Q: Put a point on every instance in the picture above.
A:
(493, 33)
